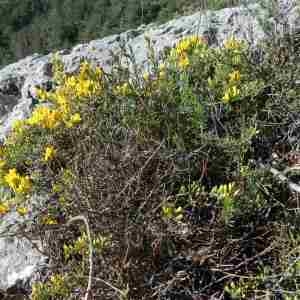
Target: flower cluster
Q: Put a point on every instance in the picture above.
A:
(122, 89)
(233, 44)
(232, 92)
(187, 44)
(184, 48)
(172, 212)
(72, 90)
(45, 117)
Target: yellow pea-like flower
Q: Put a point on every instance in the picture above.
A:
(231, 94)
(232, 44)
(48, 220)
(183, 62)
(76, 118)
(22, 211)
(13, 179)
(42, 94)
(235, 76)
(24, 186)
(4, 208)
(50, 153)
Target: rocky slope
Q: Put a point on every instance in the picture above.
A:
(19, 260)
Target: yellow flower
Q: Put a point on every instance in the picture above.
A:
(19, 184)
(235, 91)
(183, 62)
(234, 76)
(85, 69)
(13, 179)
(231, 94)
(22, 211)
(71, 82)
(170, 212)
(233, 44)
(24, 186)
(49, 153)
(146, 76)
(48, 220)
(98, 72)
(53, 120)
(4, 208)
(74, 120)
(45, 117)
(42, 94)
(18, 126)
(122, 90)
(226, 98)
(186, 44)
(62, 101)
(86, 88)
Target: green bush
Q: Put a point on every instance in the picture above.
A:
(144, 156)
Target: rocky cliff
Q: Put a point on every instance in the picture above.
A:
(19, 259)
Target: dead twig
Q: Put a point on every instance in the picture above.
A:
(86, 223)
(281, 177)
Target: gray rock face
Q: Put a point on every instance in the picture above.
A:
(18, 259)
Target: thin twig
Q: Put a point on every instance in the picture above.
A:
(140, 172)
(277, 174)
(84, 219)
(122, 293)
(248, 260)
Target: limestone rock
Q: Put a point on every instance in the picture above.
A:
(19, 259)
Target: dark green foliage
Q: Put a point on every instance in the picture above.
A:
(29, 26)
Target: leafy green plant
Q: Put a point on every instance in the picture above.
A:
(132, 151)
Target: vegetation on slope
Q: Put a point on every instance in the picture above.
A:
(159, 186)
(29, 26)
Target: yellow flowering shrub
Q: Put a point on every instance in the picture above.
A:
(183, 127)
(186, 47)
